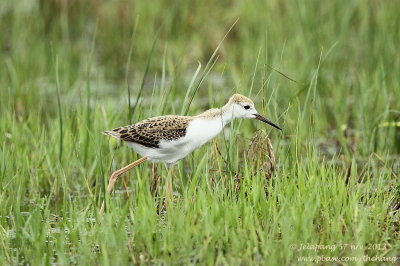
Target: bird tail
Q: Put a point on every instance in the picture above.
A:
(111, 133)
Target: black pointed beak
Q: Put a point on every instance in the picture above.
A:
(263, 119)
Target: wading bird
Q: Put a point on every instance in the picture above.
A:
(170, 138)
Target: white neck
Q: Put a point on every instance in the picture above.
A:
(226, 115)
(209, 124)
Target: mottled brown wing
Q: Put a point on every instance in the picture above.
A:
(151, 131)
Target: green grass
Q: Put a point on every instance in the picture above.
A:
(70, 72)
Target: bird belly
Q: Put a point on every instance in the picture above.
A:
(169, 151)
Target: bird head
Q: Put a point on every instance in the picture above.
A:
(243, 107)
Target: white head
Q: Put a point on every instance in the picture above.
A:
(243, 107)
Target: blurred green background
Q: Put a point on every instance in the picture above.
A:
(350, 45)
(71, 69)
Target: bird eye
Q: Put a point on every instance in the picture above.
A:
(246, 107)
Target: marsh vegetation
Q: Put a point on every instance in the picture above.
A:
(72, 69)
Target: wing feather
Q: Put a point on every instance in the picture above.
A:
(151, 131)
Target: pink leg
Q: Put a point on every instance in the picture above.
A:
(118, 173)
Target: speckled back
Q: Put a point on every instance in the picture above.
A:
(151, 131)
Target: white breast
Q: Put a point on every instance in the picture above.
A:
(200, 131)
